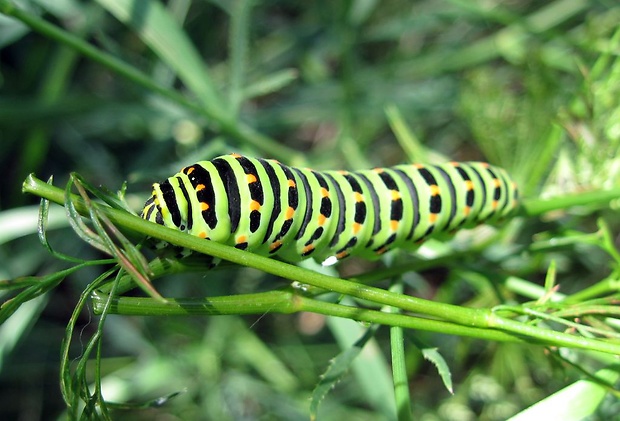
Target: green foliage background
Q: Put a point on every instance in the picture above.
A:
(342, 84)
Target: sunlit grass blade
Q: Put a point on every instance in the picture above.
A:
(240, 11)
(12, 329)
(270, 83)
(573, 403)
(408, 141)
(164, 36)
(20, 222)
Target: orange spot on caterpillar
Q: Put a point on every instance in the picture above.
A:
(378, 170)
(290, 212)
(324, 192)
(395, 195)
(434, 189)
(433, 217)
(291, 183)
(254, 205)
(356, 227)
(202, 234)
(190, 170)
(466, 210)
(358, 197)
(469, 185)
(275, 245)
(321, 220)
(250, 178)
(494, 204)
(394, 225)
(418, 166)
(342, 255)
(307, 249)
(204, 206)
(236, 155)
(242, 239)
(496, 182)
(200, 187)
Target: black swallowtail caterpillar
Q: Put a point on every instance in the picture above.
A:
(271, 209)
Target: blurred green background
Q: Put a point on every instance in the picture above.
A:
(531, 86)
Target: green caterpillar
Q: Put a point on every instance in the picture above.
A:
(271, 209)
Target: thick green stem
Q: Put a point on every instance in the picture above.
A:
(287, 302)
(284, 302)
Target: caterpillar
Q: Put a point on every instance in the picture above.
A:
(271, 209)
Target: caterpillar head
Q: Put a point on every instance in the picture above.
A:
(162, 209)
(152, 208)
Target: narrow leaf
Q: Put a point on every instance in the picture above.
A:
(432, 355)
(338, 367)
(163, 35)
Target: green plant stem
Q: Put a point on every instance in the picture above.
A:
(465, 317)
(604, 287)
(226, 124)
(546, 336)
(285, 301)
(399, 366)
(288, 302)
(535, 207)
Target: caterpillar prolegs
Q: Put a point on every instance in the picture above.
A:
(271, 209)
